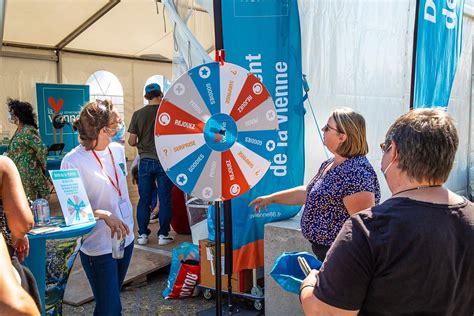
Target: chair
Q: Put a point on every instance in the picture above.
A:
(55, 148)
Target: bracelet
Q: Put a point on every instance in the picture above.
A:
(302, 288)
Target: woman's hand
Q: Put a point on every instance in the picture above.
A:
(22, 248)
(262, 201)
(116, 226)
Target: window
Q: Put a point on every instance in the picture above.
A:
(105, 85)
(159, 79)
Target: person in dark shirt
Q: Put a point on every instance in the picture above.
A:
(414, 253)
(150, 172)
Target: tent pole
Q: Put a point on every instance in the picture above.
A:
(3, 7)
(413, 62)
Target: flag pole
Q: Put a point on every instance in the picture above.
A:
(413, 62)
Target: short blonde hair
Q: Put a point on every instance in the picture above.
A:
(351, 124)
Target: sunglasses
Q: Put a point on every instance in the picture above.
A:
(385, 148)
(326, 128)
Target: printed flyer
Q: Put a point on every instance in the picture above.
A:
(72, 196)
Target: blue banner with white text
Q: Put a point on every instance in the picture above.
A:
(264, 37)
(437, 51)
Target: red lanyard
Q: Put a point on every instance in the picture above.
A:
(116, 186)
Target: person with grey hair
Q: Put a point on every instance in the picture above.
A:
(414, 253)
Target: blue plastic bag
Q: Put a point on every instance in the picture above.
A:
(287, 272)
(211, 217)
(184, 272)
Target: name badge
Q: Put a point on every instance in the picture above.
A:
(125, 210)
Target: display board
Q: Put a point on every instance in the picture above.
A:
(63, 99)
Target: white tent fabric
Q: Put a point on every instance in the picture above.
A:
(358, 54)
(136, 28)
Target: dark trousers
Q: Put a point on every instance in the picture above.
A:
(320, 251)
(151, 174)
(106, 275)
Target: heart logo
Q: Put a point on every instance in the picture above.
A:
(56, 106)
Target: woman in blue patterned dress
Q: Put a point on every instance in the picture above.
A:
(344, 184)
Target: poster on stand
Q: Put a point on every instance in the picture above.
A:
(59, 99)
(72, 196)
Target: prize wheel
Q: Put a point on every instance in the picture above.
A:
(215, 131)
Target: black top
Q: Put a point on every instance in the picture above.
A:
(403, 257)
(143, 125)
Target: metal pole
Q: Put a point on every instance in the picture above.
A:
(228, 251)
(217, 258)
(413, 62)
(3, 6)
(219, 44)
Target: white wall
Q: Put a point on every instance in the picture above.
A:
(358, 54)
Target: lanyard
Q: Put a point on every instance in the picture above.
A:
(116, 186)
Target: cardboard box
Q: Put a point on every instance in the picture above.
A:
(241, 281)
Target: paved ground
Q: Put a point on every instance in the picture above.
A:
(146, 299)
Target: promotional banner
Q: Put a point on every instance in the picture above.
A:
(72, 196)
(59, 99)
(264, 37)
(438, 47)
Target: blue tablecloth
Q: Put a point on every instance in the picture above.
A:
(36, 260)
(54, 162)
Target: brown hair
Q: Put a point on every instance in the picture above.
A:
(352, 124)
(93, 117)
(426, 141)
(153, 94)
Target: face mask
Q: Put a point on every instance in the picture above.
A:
(389, 165)
(10, 118)
(119, 133)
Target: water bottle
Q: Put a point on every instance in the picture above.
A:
(41, 211)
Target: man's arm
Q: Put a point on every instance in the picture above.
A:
(133, 140)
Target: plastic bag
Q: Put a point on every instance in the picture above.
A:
(211, 217)
(184, 272)
(287, 272)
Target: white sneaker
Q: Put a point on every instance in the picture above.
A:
(165, 240)
(142, 239)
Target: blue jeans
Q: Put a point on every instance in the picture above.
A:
(150, 175)
(106, 276)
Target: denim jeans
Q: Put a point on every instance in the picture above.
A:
(150, 172)
(106, 276)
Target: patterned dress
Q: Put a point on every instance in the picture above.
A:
(29, 155)
(324, 212)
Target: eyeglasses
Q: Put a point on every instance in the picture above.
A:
(385, 149)
(327, 128)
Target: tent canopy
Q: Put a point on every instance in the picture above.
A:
(127, 28)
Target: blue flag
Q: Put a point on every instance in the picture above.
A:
(264, 37)
(437, 51)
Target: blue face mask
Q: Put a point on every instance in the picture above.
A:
(119, 133)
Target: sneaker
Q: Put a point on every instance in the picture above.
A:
(164, 240)
(142, 239)
(153, 218)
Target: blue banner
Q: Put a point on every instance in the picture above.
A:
(64, 99)
(437, 51)
(264, 37)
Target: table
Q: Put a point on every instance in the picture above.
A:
(36, 260)
(54, 162)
